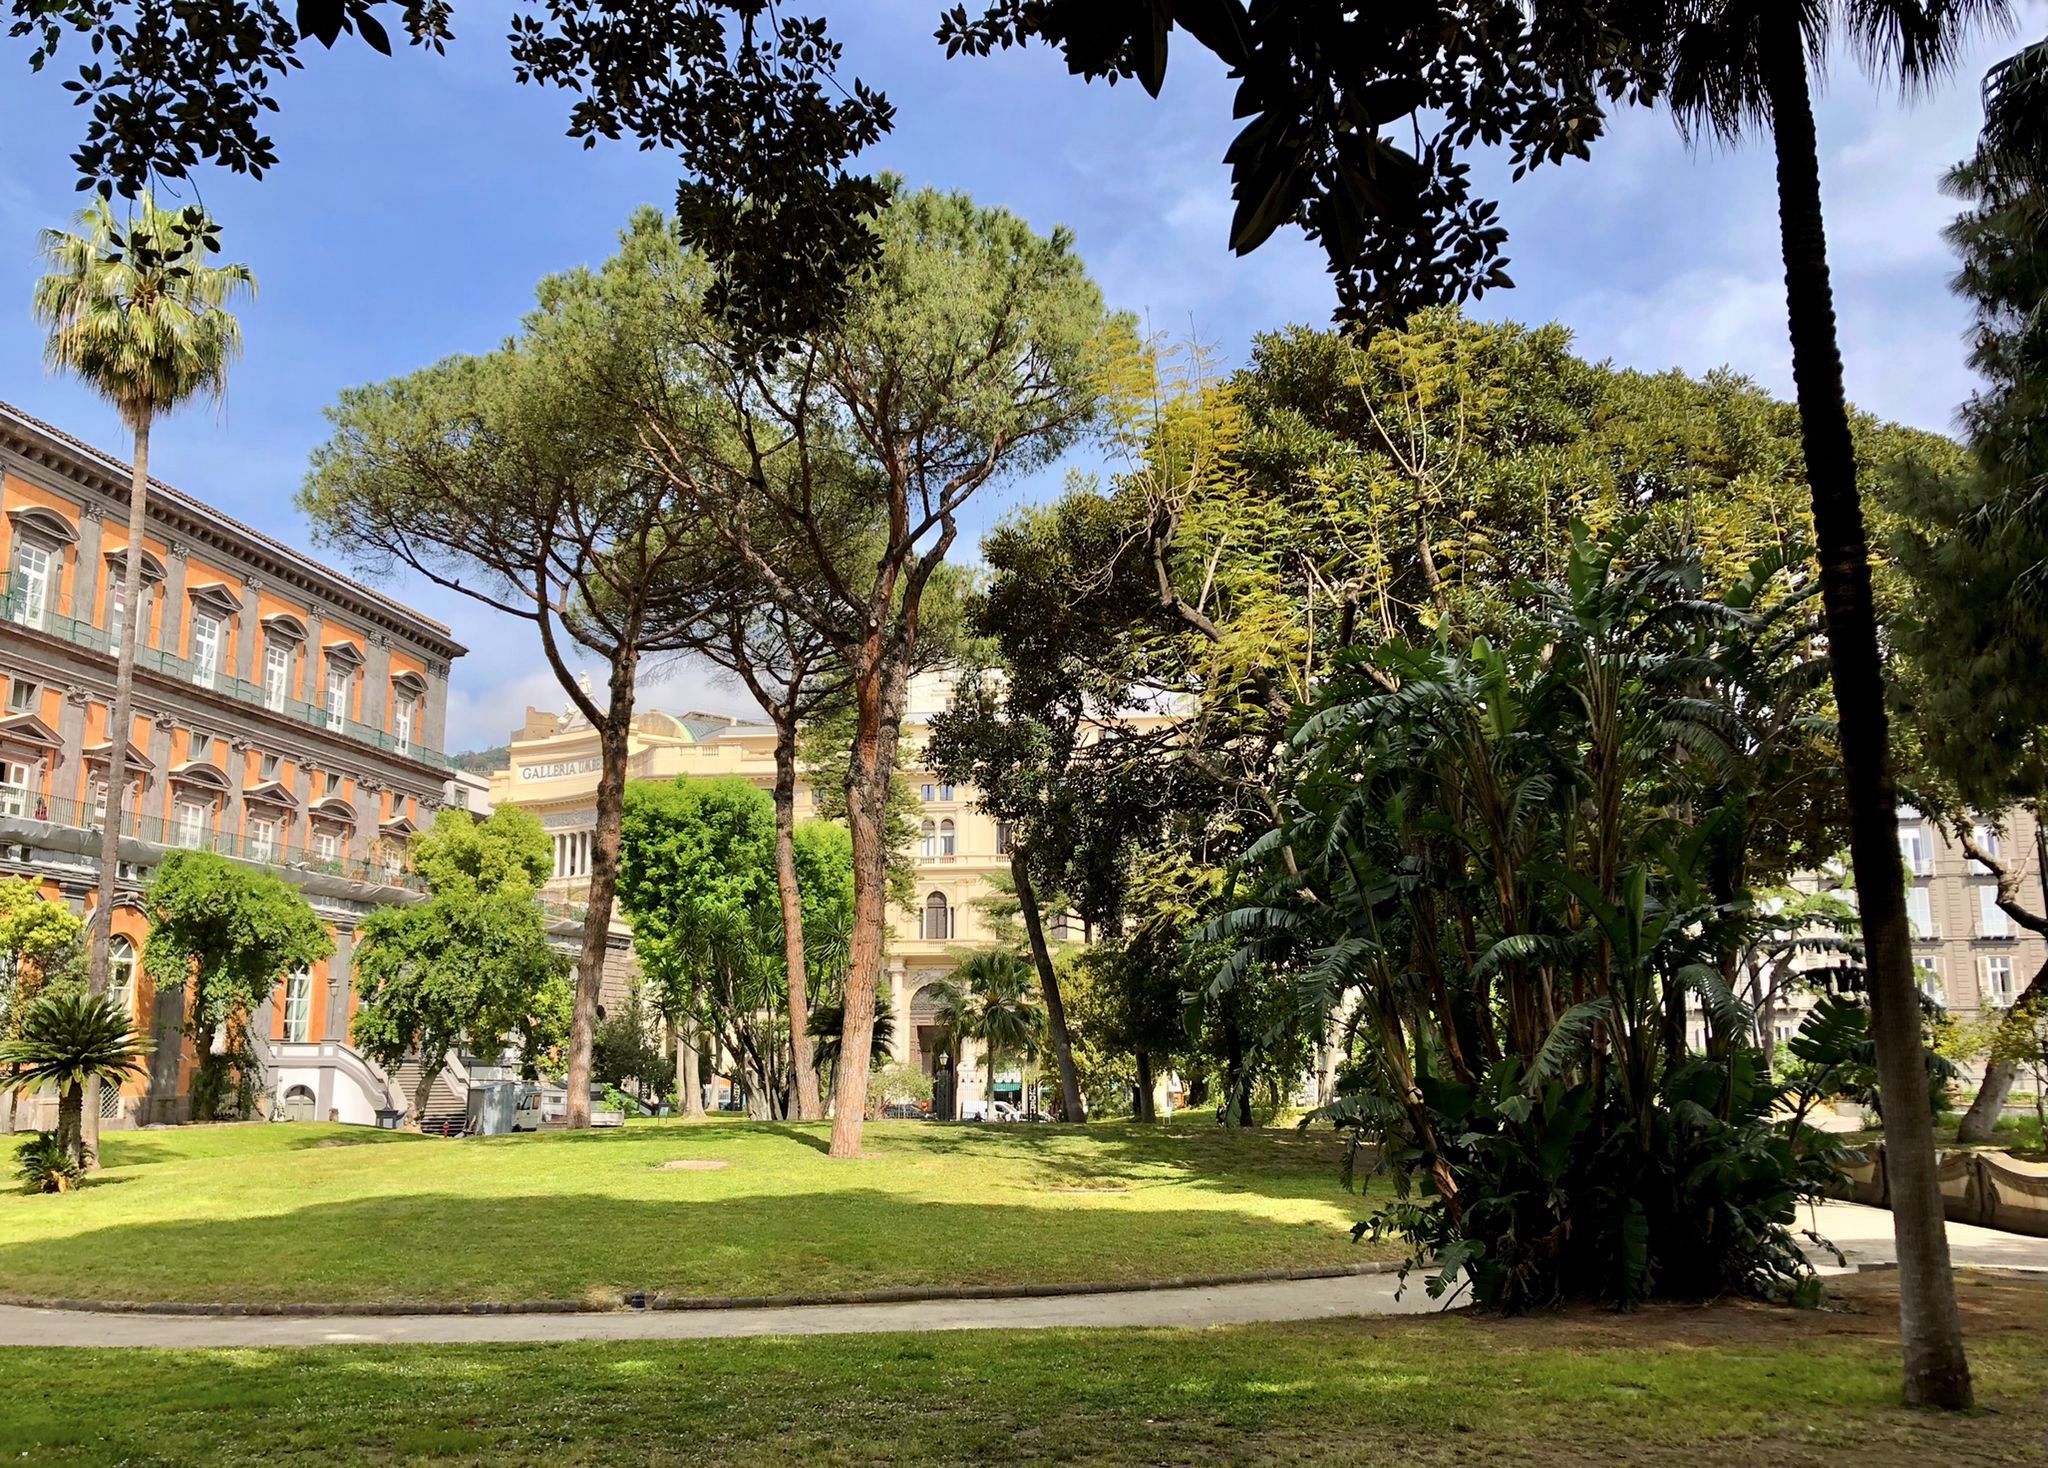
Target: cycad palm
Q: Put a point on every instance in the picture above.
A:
(72, 1041)
(1738, 66)
(142, 318)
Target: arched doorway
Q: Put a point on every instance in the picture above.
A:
(931, 1053)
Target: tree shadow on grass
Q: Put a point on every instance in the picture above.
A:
(454, 1247)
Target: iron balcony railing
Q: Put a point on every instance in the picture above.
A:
(30, 611)
(176, 835)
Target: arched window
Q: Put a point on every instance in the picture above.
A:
(947, 840)
(121, 971)
(928, 839)
(938, 918)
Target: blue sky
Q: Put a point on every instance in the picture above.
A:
(419, 199)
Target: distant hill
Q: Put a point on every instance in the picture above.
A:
(483, 761)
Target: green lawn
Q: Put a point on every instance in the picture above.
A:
(313, 1212)
(1716, 1388)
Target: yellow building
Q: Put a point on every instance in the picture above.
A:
(552, 770)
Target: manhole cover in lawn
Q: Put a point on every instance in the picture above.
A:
(693, 1164)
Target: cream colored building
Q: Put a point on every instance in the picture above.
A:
(552, 770)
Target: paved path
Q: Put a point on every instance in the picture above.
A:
(1239, 1304)
(1864, 1234)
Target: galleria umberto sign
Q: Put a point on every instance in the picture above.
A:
(556, 769)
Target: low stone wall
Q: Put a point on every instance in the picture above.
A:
(1990, 1189)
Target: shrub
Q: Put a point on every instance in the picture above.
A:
(45, 1165)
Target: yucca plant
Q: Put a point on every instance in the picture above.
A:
(44, 1166)
(68, 1040)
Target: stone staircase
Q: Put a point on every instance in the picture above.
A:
(447, 1111)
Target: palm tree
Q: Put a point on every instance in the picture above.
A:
(1737, 66)
(990, 998)
(143, 319)
(73, 1041)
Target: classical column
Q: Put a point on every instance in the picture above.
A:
(160, 759)
(435, 717)
(311, 689)
(71, 756)
(369, 815)
(238, 772)
(85, 571)
(899, 999)
(340, 980)
(249, 632)
(174, 598)
(376, 680)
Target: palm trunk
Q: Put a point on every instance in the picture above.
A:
(877, 698)
(1937, 1373)
(70, 1118)
(809, 1105)
(102, 929)
(1071, 1109)
(604, 881)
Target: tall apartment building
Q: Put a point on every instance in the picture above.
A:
(959, 852)
(284, 716)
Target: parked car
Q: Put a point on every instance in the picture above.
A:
(526, 1109)
(904, 1111)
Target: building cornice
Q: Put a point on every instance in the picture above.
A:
(195, 522)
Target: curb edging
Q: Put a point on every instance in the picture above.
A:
(895, 1295)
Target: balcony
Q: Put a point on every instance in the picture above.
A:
(274, 853)
(80, 633)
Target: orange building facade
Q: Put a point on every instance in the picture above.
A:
(284, 716)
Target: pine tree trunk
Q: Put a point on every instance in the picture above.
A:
(877, 705)
(809, 1105)
(101, 932)
(604, 880)
(1071, 1108)
(1937, 1373)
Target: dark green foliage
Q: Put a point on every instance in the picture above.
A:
(624, 1051)
(227, 936)
(45, 1165)
(1496, 862)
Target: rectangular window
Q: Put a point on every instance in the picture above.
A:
(1927, 973)
(332, 786)
(262, 838)
(23, 697)
(198, 746)
(1002, 838)
(1991, 919)
(188, 825)
(298, 1006)
(402, 726)
(927, 792)
(1916, 850)
(16, 787)
(268, 765)
(945, 792)
(1919, 912)
(277, 672)
(99, 800)
(117, 613)
(326, 845)
(28, 598)
(1997, 981)
(337, 698)
(208, 634)
(1987, 842)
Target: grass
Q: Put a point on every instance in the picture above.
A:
(314, 1212)
(1714, 1388)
